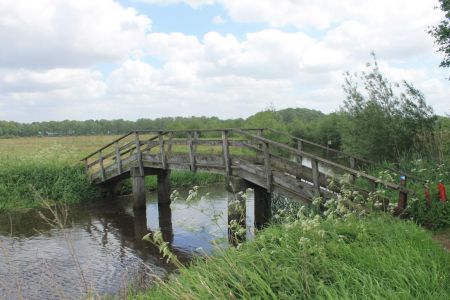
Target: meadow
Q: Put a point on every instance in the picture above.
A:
(49, 168)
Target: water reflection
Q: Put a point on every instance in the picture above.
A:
(102, 246)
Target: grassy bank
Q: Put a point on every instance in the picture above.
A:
(25, 184)
(33, 169)
(374, 258)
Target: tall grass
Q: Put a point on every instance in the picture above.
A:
(26, 183)
(373, 258)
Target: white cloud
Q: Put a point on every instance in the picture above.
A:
(49, 71)
(53, 33)
(218, 20)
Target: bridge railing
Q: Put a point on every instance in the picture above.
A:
(341, 157)
(228, 144)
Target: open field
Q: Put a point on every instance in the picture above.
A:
(38, 168)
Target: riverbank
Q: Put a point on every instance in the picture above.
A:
(378, 257)
(24, 184)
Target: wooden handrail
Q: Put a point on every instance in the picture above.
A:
(163, 131)
(324, 161)
(350, 156)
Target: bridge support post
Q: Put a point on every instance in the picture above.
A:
(236, 209)
(163, 180)
(140, 224)
(165, 221)
(138, 188)
(263, 207)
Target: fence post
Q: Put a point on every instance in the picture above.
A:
(162, 153)
(102, 168)
(402, 197)
(138, 153)
(267, 166)
(315, 174)
(352, 165)
(191, 152)
(226, 153)
(86, 165)
(118, 159)
(300, 157)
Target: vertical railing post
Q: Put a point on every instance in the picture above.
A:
(102, 167)
(169, 147)
(226, 153)
(118, 159)
(352, 165)
(402, 197)
(86, 165)
(300, 157)
(267, 166)
(162, 153)
(315, 174)
(138, 153)
(191, 152)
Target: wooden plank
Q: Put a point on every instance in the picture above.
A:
(191, 151)
(226, 153)
(118, 159)
(169, 147)
(315, 172)
(138, 153)
(299, 157)
(267, 166)
(352, 165)
(102, 167)
(86, 165)
(162, 153)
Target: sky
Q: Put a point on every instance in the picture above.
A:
(130, 59)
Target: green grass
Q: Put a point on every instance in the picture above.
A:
(374, 258)
(36, 169)
(25, 184)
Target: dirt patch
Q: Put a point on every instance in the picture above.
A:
(443, 238)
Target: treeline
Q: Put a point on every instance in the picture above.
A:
(120, 126)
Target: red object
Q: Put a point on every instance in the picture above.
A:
(442, 193)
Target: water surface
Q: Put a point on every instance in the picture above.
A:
(101, 247)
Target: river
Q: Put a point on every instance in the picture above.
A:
(101, 250)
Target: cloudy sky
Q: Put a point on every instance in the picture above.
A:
(84, 59)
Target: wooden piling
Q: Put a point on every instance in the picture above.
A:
(163, 182)
(138, 188)
(263, 207)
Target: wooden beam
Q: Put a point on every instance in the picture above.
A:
(226, 153)
(267, 166)
(315, 172)
(191, 151)
(162, 153)
(102, 167)
(118, 159)
(138, 153)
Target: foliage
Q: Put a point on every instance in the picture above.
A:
(380, 123)
(26, 183)
(441, 33)
(371, 258)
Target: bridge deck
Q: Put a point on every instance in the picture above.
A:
(245, 153)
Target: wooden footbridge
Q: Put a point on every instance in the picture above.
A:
(248, 158)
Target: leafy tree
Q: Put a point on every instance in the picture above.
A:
(441, 33)
(384, 120)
